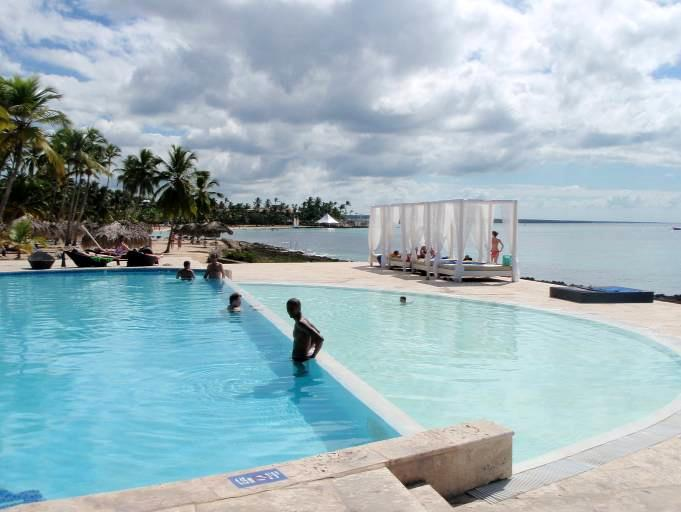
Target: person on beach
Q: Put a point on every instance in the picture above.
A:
(497, 247)
(186, 274)
(234, 303)
(214, 268)
(307, 340)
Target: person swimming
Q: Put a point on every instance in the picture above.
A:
(307, 340)
(403, 300)
(234, 303)
(186, 274)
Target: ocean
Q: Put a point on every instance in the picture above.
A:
(638, 255)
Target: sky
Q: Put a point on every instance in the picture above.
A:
(573, 107)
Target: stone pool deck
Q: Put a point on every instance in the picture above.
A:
(648, 479)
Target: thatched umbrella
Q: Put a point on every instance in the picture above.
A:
(133, 234)
(58, 230)
(39, 227)
(215, 228)
(191, 229)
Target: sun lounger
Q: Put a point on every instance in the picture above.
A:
(141, 259)
(448, 268)
(396, 262)
(85, 260)
(601, 295)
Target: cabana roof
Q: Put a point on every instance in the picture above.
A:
(447, 228)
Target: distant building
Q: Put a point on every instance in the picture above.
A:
(356, 221)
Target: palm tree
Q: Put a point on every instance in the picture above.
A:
(139, 174)
(111, 153)
(175, 198)
(28, 106)
(96, 145)
(80, 150)
(204, 197)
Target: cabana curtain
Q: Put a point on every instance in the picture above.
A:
(454, 229)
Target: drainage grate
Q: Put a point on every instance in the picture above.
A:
(579, 463)
(529, 480)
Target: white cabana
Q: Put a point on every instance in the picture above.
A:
(451, 229)
(327, 219)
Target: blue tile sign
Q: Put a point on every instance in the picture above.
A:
(265, 476)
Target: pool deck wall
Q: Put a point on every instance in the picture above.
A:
(372, 478)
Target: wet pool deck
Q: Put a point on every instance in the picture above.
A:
(648, 479)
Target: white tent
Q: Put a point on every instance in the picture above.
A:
(454, 228)
(327, 219)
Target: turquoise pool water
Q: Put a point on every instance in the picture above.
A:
(555, 380)
(114, 380)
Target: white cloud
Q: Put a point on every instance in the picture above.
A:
(370, 99)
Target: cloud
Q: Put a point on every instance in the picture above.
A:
(302, 95)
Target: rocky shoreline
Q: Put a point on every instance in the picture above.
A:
(675, 299)
(237, 251)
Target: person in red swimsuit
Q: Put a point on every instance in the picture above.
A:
(497, 247)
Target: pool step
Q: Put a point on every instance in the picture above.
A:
(430, 499)
(370, 491)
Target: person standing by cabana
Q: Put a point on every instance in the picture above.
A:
(497, 247)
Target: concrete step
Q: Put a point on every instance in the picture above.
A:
(375, 491)
(370, 491)
(430, 499)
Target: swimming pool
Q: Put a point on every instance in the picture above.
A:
(554, 379)
(115, 379)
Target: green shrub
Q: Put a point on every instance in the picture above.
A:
(246, 256)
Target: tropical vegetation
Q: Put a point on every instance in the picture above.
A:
(54, 171)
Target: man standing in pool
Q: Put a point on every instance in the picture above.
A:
(307, 340)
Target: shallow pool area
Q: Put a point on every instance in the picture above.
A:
(555, 380)
(115, 379)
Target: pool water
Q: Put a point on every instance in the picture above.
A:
(555, 380)
(110, 380)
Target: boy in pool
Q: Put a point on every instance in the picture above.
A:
(234, 303)
(186, 274)
(307, 340)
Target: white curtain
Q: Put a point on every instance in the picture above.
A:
(509, 230)
(480, 219)
(405, 226)
(389, 216)
(416, 229)
(438, 232)
(375, 226)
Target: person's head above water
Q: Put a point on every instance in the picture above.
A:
(187, 264)
(293, 308)
(235, 301)
(403, 300)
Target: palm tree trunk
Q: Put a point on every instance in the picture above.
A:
(72, 210)
(10, 181)
(170, 238)
(87, 192)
